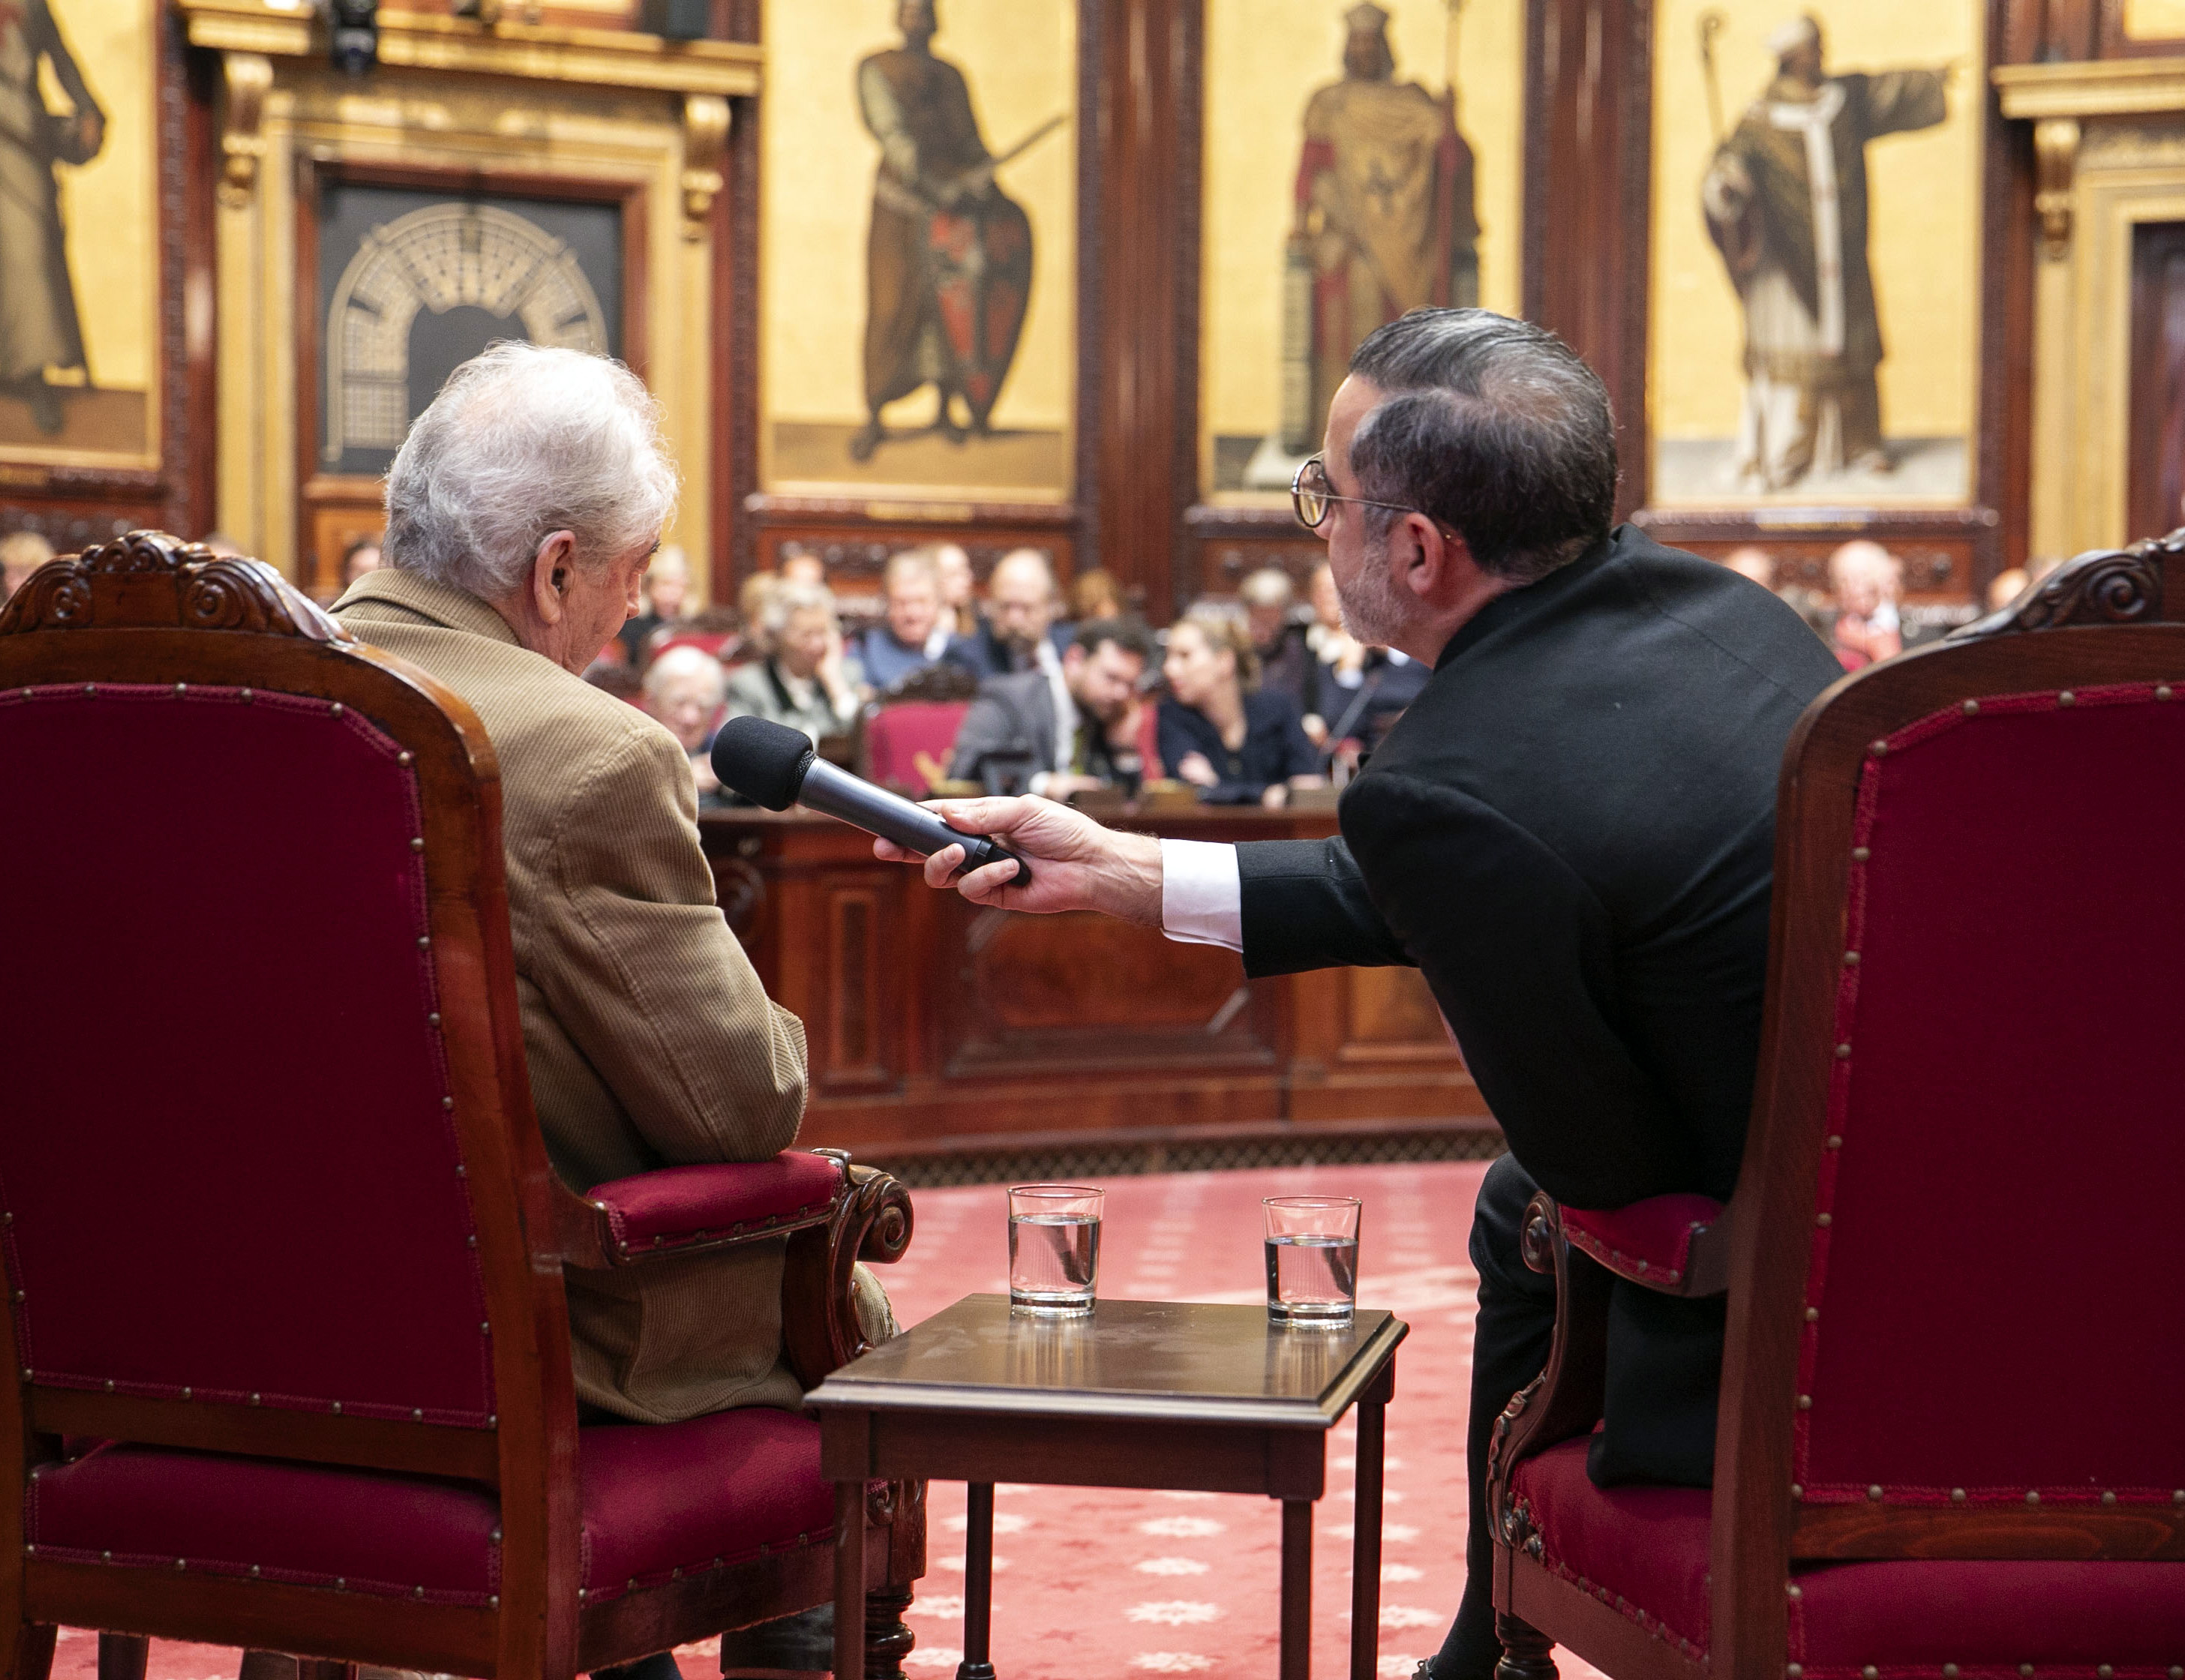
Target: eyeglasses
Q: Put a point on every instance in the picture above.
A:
(1313, 501)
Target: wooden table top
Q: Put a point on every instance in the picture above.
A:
(1171, 1361)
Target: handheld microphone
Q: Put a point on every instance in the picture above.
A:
(776, 767)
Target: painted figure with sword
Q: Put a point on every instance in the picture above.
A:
(948, 265)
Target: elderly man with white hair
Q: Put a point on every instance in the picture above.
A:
(522, 511)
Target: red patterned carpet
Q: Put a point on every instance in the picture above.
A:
(1092, 1582)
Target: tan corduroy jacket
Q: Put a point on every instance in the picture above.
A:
(649, 1040)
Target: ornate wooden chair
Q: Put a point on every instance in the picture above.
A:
(289, 1345)
(1950, 1440)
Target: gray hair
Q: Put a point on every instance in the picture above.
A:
(1270, 586)
(1495, 428)
(522, 441)
(786, 600)
(678, 662)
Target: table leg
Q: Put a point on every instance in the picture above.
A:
(1297, 1589)
(1365, 1543)
(850, 1581)
(978, 1582)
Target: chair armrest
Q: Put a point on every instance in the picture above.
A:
(684, 1210)
(1674, 1245)
(819, 1319)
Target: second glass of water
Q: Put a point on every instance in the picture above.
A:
(1312, 1259)
(1054, 1247)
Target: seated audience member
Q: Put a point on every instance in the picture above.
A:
(361, 556)
(21, 552)
(667, 587)
(686, 688)
(609, 675)
(1237, 744)
(1022, 609)
(913, 634)
(1096, 594)
(1075, 727)
(800, 566)
(523, 511)
(1867, 580)
(802, 681)
(1753, 561)
(959, 603)
(1286, 661)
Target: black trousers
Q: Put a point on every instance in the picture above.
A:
(1664, 1372)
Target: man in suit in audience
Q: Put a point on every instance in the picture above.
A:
(1570, 833)
(1057, 730)
(912, 635)
(1021, 631)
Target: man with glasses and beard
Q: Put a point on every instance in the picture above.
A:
(1570, 833)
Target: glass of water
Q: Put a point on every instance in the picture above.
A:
(1054, 1247)
(1312, 1259)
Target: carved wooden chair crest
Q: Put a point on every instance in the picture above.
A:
(290, 1348)
(1948, 1442)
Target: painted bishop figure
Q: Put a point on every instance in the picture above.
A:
(1785, 200)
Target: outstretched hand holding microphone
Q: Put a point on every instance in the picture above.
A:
(986, 848)
(1079, 864)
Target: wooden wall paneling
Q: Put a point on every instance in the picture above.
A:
(736, 335)
(1145, 317)
(187, 199)
(1588, 116)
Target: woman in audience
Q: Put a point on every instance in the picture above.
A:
(1096, 594)
(1237, 743)
(802, 681)
(684, 688)
(959, 608)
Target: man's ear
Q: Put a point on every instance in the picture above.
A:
(552, 569)
(1439, 564)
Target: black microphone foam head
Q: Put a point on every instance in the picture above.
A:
(764, 761)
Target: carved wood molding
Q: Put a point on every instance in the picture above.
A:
(705, 155)
(149, 580)
(248, 77)
(2103, 586)
(2055, 166)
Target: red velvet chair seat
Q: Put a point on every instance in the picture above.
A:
(1645, 1549)
(659, 1500)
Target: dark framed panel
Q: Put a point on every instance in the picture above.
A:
(2155, 484)
(589, 234)
(76, 506)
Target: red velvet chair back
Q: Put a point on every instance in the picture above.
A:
(895, 735)
(269, 1161)
(1956, 1256)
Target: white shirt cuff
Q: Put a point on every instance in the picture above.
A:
(1202, 897)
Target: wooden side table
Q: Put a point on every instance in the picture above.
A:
(1139, 1394)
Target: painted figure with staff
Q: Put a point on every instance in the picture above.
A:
(1785, 202)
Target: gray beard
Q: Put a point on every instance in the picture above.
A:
(1372, 611)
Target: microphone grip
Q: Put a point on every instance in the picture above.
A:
(835, 793)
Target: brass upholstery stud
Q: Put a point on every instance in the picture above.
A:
(2067, 698)
(106, 1557)
(1795, 1590)
(582, 1594)
(424, 941)
(1851, 959)
(1875, 1491)
(2108, 1498)
(2177, 1673)
(493, 1419)
(495, 1536)
(417, 1415)
(1950, 1671)
(432, 1019)
(417, 1593)
(341, 1583)
(2163, 692)
(1824, 1220)
(1860, 854)
(493, 1601)
(91, 688)
(1813, 1313)
(109, 1385)
(180, 1564)
(186, 1393)
(405, 758)
(336, 1409)
(1870, 1672)
(449, 1103)
(1972, 708)
(632, 1588)
(1805, 1403)
(2033, 1496)
(472, 1241)
(1842, 1050)
(2026, 1670)
(181, 689)
(485, 1330)
(2105, 1672)
(1797, 1492)
(338, 708)
(18, 1295)
(2178, 1497)
(1835, 1142)
(417, 845)
(254, 1399)
(1957, 1496)
(244, 696)
(1880, 749)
